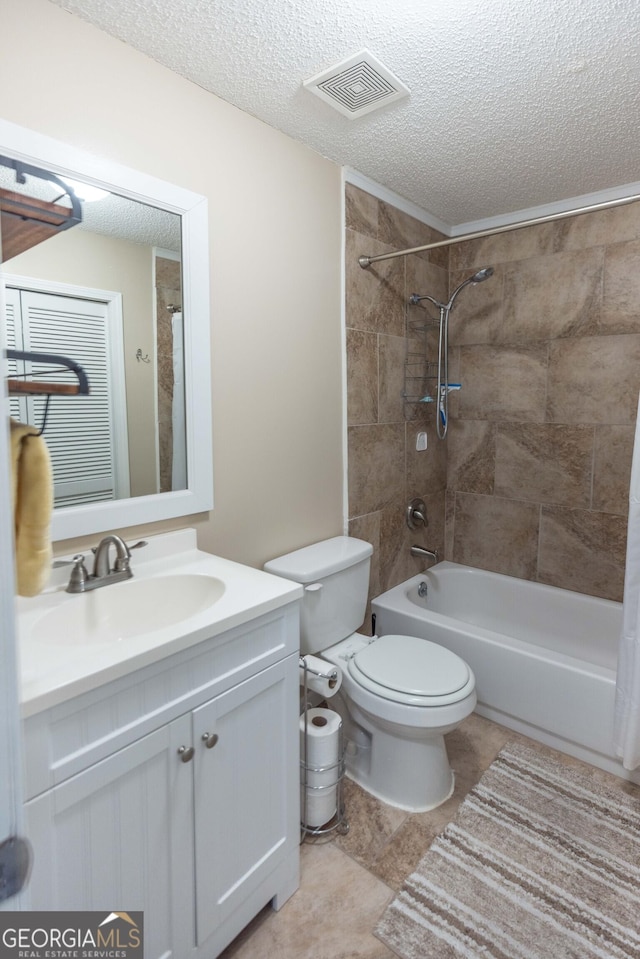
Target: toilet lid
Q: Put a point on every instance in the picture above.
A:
(412, 666)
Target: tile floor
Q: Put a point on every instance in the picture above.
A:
(348, 882)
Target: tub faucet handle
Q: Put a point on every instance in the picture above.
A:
(417, 514)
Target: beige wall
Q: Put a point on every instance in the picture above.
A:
(275, 232)
(537, 462)
(106, 263)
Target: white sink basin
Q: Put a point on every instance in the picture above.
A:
(123, 611)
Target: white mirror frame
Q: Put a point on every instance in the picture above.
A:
(42, 151)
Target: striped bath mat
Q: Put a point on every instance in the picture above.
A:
(541, 862)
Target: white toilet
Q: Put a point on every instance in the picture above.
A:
(399, 694)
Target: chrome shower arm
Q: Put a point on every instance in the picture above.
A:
(415, 298)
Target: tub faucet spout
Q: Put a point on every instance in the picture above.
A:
(421, 551)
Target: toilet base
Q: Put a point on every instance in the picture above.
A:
(366, 785)
(412, 773)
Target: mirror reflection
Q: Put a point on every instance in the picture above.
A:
(107, 292)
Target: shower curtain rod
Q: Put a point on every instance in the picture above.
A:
(366, 261)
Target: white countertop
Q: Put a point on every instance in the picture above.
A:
(54, 670)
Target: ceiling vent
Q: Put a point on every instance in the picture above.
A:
(357, 85)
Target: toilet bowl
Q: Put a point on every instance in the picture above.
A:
(400, 695)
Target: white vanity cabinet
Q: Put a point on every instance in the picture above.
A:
(116, 836)
(174, 790)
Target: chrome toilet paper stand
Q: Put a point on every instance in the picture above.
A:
(338, 823)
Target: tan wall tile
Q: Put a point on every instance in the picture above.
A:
(471, 456)
(583, 550)
(574, 233)
(374, 297)
(496, 534)
(402, 231)
(361, 211)
(508, 247)
(449, 523)
(397, 563)
(433, 537)
(392, 353)
(424, 277)
(544, 463)
(599, 228)
(376, 467)
(454, 377)
(503, 383)
(594, 379)
(612, 468)
(426, 469)
(169, 274)
(551, 296)
(362, 377)
(368, 528)
(621, 304)
(477, 312)
(394, 546)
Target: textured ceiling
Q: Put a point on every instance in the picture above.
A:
(113, 215)
(515, 104)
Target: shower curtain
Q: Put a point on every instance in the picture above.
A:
(627, 708)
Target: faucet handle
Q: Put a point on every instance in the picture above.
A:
(122, 562)
(79, 575)
(138, 545)
(417, 514)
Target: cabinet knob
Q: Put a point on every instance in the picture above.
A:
(186, 753)
(210, 739)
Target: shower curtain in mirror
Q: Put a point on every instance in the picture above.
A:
(627, 710)
(179, 463)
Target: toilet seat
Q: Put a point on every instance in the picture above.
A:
(410, 670)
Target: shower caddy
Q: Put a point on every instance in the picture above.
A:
(419, 371)
(338, 823)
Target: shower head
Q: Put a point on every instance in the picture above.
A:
(478, 277)
(482, 274)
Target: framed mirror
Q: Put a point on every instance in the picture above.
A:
(125, 294)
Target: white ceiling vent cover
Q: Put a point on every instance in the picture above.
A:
(357, 85)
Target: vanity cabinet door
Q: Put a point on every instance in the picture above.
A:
(118, 837)
(246, 795)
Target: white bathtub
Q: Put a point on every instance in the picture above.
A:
(544, 658)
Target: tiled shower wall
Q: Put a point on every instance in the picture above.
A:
(385, 470)
(168, 295)
(536, 465)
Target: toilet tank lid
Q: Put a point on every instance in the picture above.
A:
(314, 562)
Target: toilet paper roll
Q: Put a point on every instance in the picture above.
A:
(320, 765)
(322, 677)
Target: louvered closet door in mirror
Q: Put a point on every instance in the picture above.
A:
(13, 340)
(86, 454)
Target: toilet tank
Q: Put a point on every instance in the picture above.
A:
(335, 576)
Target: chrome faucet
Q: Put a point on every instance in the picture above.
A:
(101, 563)
(421, 551)
(103, 574)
